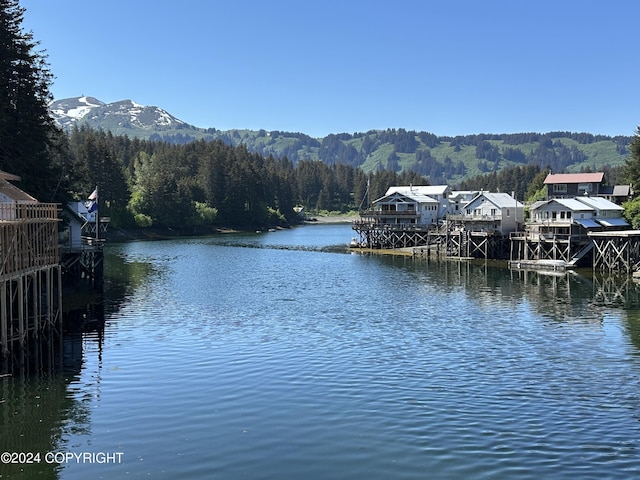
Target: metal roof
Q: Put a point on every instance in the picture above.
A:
(599, 203)
(500, 200)
(419, 190)
(574, 178)
(613, 222)
(14, 193)
(588, 223)
(569, 203)
(413, 196)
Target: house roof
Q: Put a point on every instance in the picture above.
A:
(574, 178)
(14, 192)
(599, 203)
(500, 200)
(9, 176)
(72, 210)
(569, 203)
(587, 223)
(419, 189)
(463, 194)
(622, 190)
(613, 222)
(413, 196)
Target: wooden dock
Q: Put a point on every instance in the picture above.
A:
(606, 251)
(430, 240)
(616, 251)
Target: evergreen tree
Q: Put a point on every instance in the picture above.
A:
(27, 131)
(632, 175)
(632, 164)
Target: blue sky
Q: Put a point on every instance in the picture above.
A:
(450, 67)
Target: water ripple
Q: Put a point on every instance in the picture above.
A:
(289, 362)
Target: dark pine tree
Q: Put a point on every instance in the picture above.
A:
(27, 131)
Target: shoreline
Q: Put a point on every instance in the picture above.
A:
(325, 219)
(126, 235)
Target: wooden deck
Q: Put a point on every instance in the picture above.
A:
(30, 274)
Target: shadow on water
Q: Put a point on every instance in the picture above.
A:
(40, 404)
(37, 404)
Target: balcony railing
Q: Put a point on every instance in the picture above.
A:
(474, 218)
(25, 212)
(389, 213)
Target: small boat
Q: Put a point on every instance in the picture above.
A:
(354, 243)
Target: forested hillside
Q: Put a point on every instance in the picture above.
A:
(442, 159)
(154, 183)
(151, 183)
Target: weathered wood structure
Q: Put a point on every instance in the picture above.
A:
(448, 239)
(376, 235)
(548, 245)
(616, 251)
(476, 244)
(30, 274)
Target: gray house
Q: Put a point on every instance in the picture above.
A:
(493, 212)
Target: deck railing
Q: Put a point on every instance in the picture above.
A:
(28, 237)
(389, 213)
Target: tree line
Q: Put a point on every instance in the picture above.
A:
(153, 183)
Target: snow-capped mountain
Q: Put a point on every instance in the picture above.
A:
(69, 110)
(120, 117)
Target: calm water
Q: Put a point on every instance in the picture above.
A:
(276, 355)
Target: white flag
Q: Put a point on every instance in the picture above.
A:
(94, 194)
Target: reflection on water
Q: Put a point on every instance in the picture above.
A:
(37, 404)
(276, 356)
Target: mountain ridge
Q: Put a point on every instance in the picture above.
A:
(443, 159)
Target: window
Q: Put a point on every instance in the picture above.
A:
(493, 212)
(554, 215)
(559, 188)
(584, 188)
(569, 214)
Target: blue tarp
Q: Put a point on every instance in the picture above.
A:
(588, 223)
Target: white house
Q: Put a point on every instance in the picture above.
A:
(588, 212)
(420, 206)
(561, 213)
(493, 212)
(606, 213)
(458, 199)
